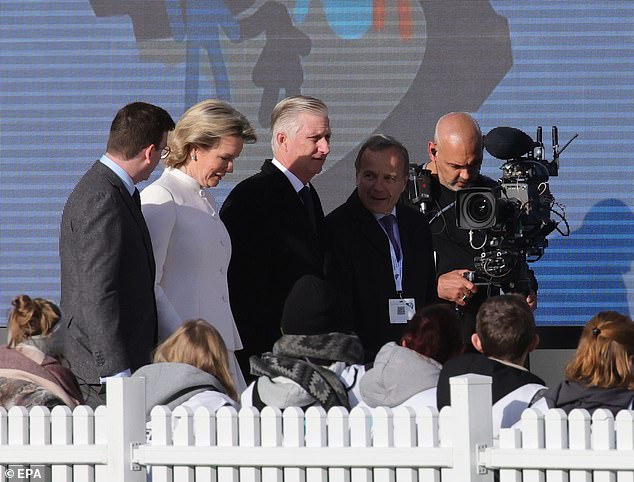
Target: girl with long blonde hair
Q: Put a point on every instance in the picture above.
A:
(191, 368)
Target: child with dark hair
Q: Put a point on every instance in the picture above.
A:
(407, 374)
(505, 334)
(29, 372)
(600, 373)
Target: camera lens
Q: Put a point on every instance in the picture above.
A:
(476, 208)
(479, 208)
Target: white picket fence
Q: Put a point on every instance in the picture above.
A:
(364, 445)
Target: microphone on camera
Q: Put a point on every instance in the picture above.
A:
(508, 143)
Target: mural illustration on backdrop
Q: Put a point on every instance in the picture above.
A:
(422, 56)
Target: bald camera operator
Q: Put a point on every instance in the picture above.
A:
(455, 159)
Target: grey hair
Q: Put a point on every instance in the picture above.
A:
(285, 115)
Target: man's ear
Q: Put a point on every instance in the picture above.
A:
(432, 152)
(147, 152)
(477, 344)
(281, 138)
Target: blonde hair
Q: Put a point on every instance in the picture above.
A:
(203, 125)
(285, 115)
(199, 344)
(604, 354)
(31, 317)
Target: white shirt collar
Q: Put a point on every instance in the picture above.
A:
(295, 182)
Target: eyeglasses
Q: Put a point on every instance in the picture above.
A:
(165, 152)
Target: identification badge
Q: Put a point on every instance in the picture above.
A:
(401, 310)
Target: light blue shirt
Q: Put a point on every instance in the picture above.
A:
(120, 172)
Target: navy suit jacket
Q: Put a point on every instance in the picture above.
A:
(107, 279)
(361, 268)
(273, 245)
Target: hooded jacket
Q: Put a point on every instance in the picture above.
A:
(570, 395)
(399, 374)
(175, 384)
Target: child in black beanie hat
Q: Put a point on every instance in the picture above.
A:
(315, 362)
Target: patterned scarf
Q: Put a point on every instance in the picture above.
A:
(300, 358)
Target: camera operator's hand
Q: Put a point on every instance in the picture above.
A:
(453, 286)
(531, 299)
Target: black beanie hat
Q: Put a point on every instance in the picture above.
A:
(311, 308)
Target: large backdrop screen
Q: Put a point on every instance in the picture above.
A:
(381, 66)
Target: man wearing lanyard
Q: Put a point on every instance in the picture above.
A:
(382, 257)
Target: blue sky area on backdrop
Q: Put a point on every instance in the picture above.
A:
(69, 65)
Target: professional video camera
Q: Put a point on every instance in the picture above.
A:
(514, 217)
(508, 223)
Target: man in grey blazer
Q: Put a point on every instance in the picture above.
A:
(107, 266)
(276, 224)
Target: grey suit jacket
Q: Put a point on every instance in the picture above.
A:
(107, 279)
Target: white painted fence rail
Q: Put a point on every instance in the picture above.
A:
(364, 445)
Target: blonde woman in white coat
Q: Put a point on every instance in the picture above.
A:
(191, 245)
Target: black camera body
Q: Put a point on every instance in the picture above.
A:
(513, 218)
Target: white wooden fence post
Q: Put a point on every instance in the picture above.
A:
(40, 434)
(472, 425)
(533, 438)
(624, 426)
(271, 436)
(579, 432)
(249, 435)
(427, 426)
(18, 433)
(293, 427)
(603, 438)
(126, 423)
(62, 434)
(360, 436)
(83, 434)
(556, 437)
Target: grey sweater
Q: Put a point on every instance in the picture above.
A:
(172, 384)
(398, 374)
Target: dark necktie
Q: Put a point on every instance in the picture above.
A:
(389, 223)
(137, 198)
(307, 199)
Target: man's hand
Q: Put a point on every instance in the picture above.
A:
(453, 286)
